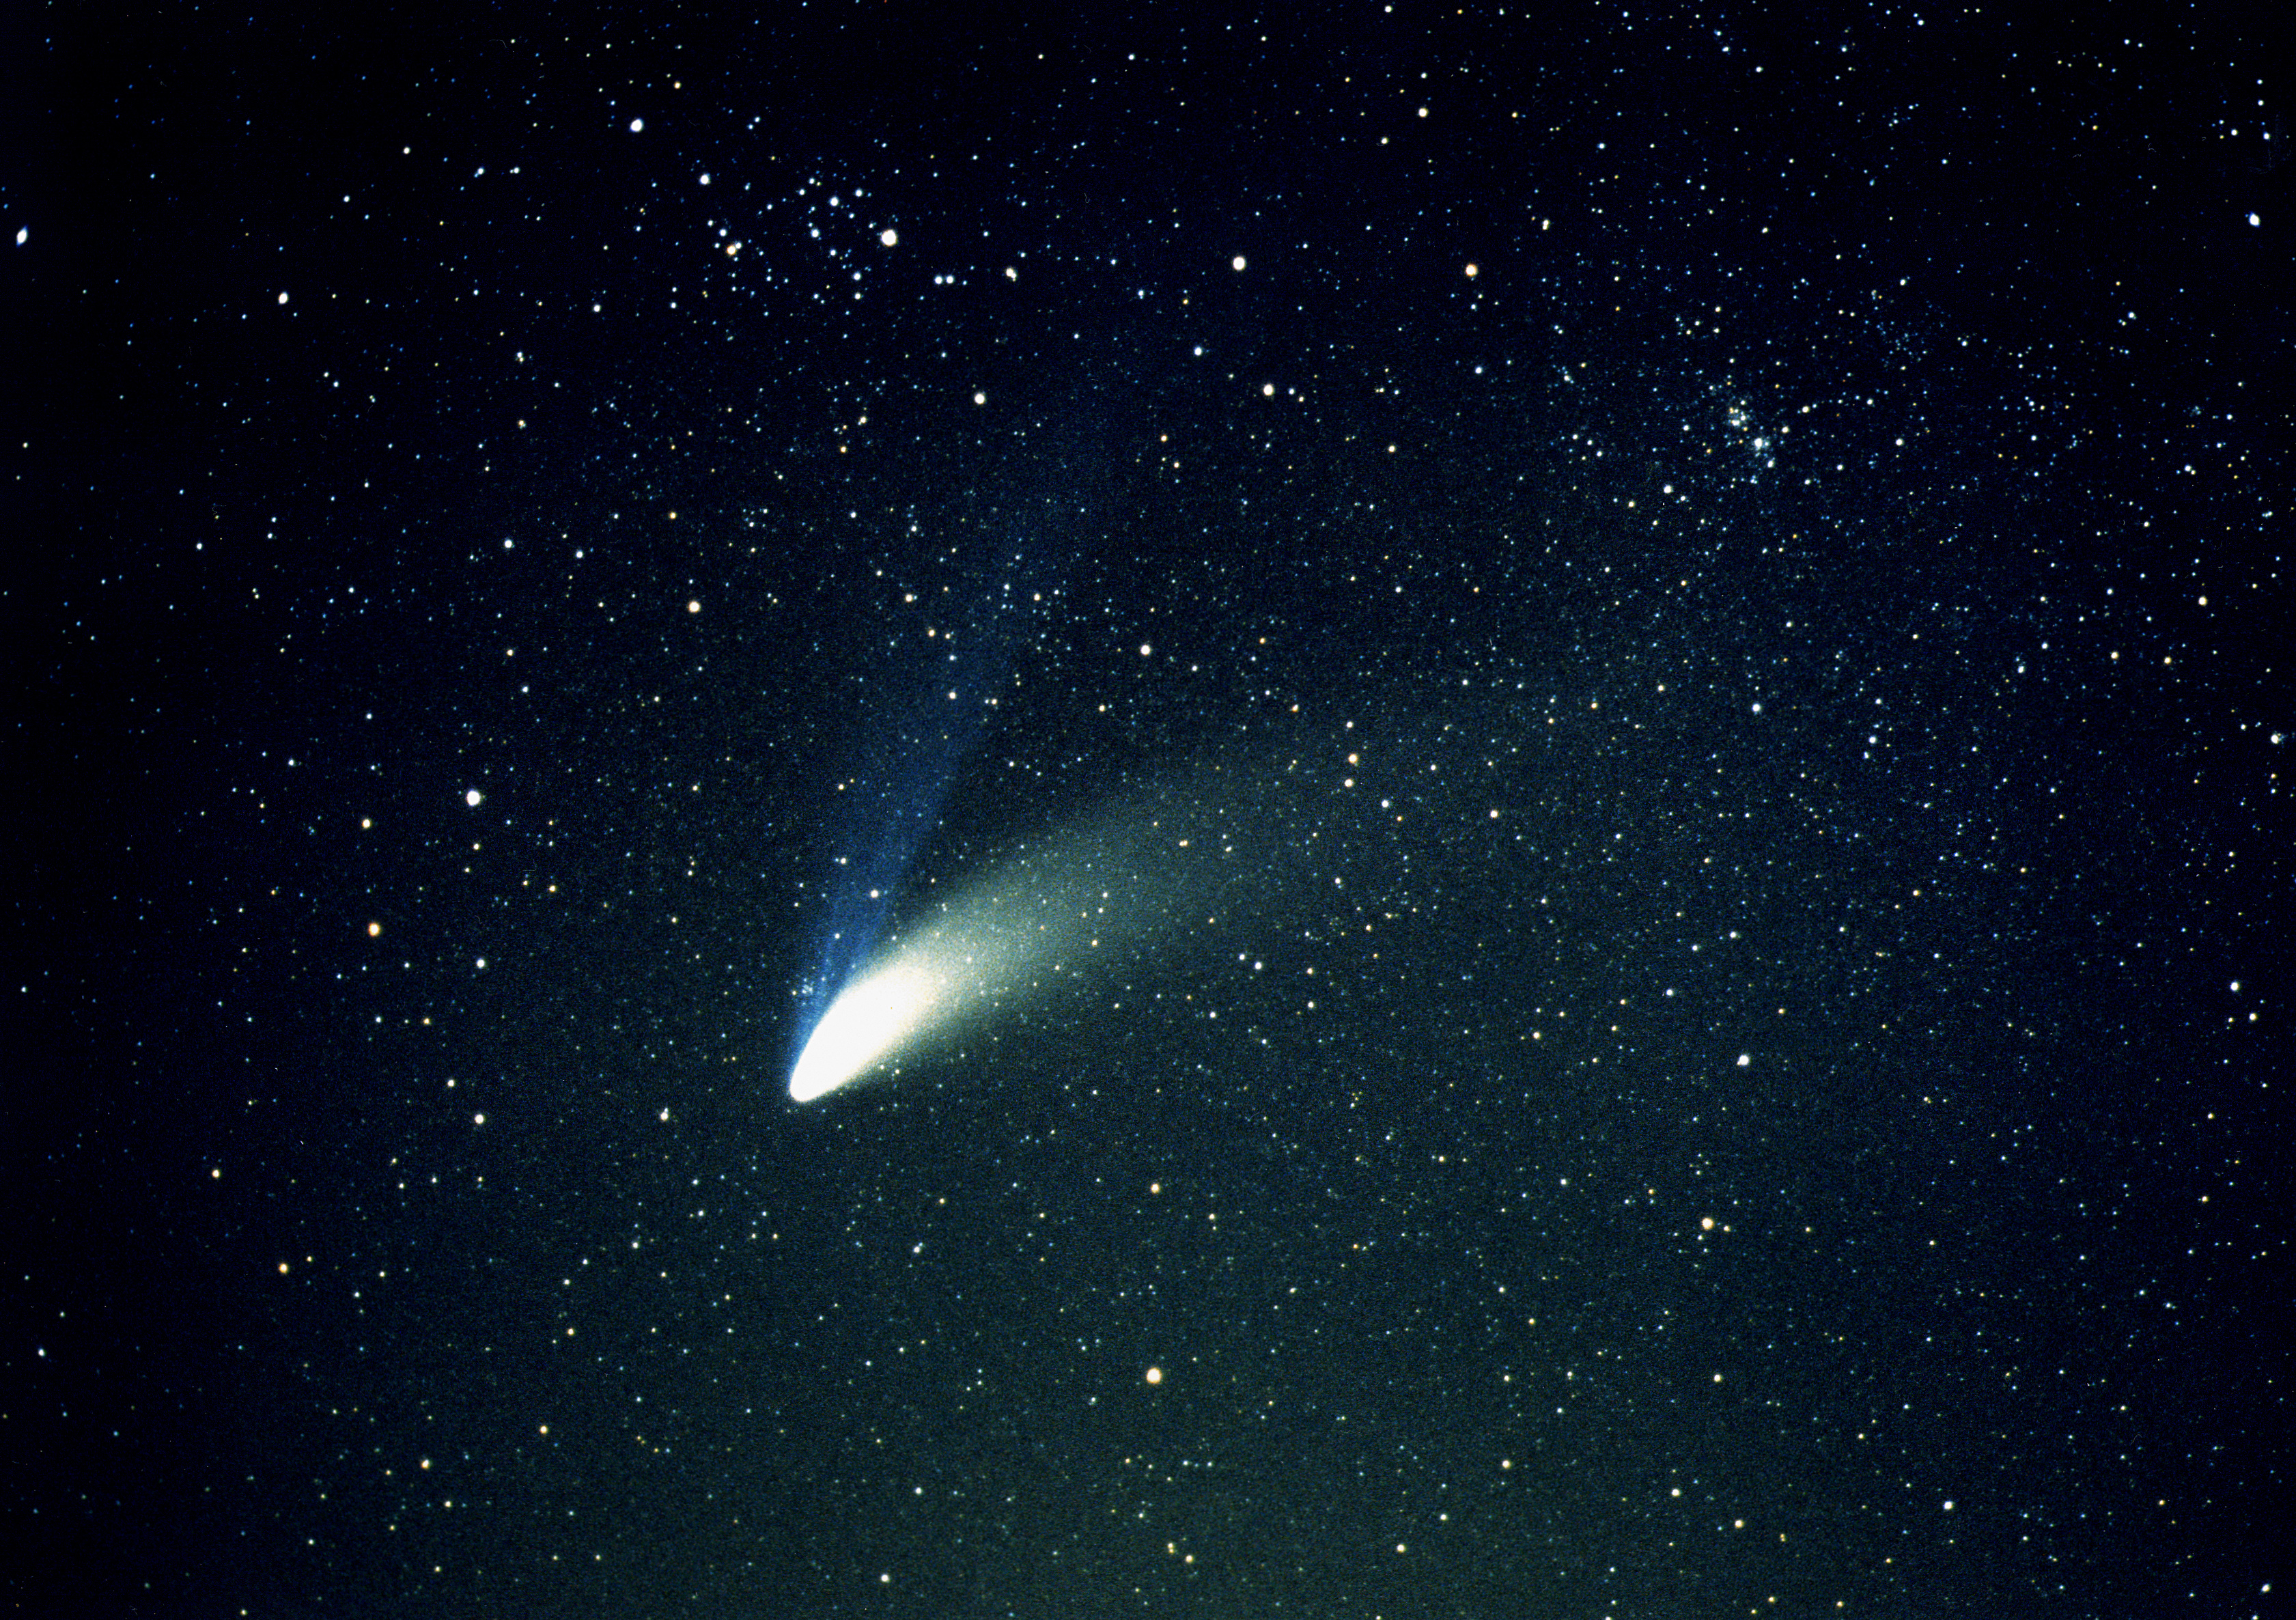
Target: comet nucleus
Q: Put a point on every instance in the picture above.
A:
(868, 1022)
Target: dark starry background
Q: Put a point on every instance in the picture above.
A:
(1708, 600)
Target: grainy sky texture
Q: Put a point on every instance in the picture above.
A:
(1599, 694)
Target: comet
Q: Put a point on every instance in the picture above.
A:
(871, 1019)
(1053, 914)
(919, 987)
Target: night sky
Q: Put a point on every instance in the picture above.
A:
(1603, 696)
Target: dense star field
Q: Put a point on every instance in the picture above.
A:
(1584, 718)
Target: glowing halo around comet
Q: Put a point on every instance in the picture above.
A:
(870, 1020)
(920, 987)
(1059, 910)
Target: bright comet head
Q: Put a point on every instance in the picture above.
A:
(871, 1017)
(1047, 915)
